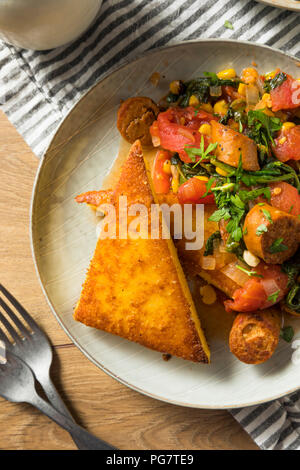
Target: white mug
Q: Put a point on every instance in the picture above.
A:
(45, 24)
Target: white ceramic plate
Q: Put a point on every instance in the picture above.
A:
(293, 5)
(64, 238)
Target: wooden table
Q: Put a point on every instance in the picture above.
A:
(108, 409)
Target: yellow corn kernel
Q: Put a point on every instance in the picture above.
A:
(270, 75)
(175, 185)
(266, 97)
(167, 167)
(242, 89)
(175, 87)
(205, 129)
(175, 179)
(226, 74)
(221, 107)
(193, 101)
(263, 148)
(282, 140)
(221, 172)
(201, 178)
(287, 125)
(276, 191)
(268, 112)
(206, 107)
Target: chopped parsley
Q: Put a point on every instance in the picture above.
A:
(262, 127)
(277, 246)
(273, 297)
(209, 246)
(228, 24)
(292, 268)
(267, 215)
(199, 87)
(250, 273)
(192, 152)
(287, 333)
(274, 82)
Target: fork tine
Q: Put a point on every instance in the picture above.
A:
(24, 314)
(14, 318)
(9, 328)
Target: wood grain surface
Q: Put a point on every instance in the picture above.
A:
(108, 409)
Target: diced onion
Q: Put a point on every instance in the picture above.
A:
(222, 247)
(260, 85)
(295, 344)
(186, 133)
(235, 274)
(252, 95)
(296, 357)
(215, 91)
(208, 262)
(296, 354)
(270, 286)
(216, 244)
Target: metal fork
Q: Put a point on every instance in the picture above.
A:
(17, 385)
(34, 349)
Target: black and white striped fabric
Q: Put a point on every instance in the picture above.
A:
(39, 88)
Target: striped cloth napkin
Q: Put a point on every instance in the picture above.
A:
(39, 88)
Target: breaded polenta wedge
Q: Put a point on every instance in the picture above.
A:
(135, 288)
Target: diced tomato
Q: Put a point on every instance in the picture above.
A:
(286, 95)
(248, 298)
(287, 145)
(192, 191)
(255, 293)
(178, 128)
(161, 179)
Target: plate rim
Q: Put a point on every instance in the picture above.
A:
(115, 69)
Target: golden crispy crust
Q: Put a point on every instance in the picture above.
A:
(254, 336)
(136, 288)
(135, 117)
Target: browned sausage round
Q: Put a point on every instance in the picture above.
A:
(271, 234)
(135, 117)
(254, 336)
(232, 145)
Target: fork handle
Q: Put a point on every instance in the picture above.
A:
(89, 441)
(57, 402)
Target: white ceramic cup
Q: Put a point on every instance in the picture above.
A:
(45, 24)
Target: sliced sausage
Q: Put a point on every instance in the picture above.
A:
(254, 336)
(232, 145)
(135, 117)
(271, 234)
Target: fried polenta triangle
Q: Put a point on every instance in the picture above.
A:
(135, 288)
